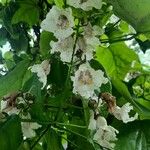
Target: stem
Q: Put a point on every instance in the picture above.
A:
(118, 39)
(112, 26)
(52, 123)
(121, 38)
(67, 85)
(73, 125)
(44, 132)
(70, 142)
(74, 48)
(65, 106)
(70, 131)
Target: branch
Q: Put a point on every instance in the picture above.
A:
(44, 132)
(112, 26)
(119, 39)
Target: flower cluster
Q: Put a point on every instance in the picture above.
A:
(105, 134)
(75, 44)
(76, 92)
(88, 42)
(14, 104)
(61, 23)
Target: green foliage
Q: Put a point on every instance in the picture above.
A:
(59, 3)
(138, 19)
(52, 140)
(64, 116)
(134, 136)
(10, 133)
(3, 34)
(28, 12)
(116, 59)
(12, 81)
(45, 39)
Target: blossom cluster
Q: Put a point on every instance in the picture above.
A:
(75, 45)
(105, 135)
(14, 104)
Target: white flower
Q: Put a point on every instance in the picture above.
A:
(85, 4)
(86, 80)
(42, 71)
(123, 113)
(92, 121)
(59, 21)
(8, 109)
(65, 47)
(105, 135)
(87, 47)
(29, 127)
(90, 31)
(88, 43)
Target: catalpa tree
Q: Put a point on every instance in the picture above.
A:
(75, 75)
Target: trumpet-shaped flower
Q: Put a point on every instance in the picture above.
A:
(8, 109)
(122, 113)
(92, 121)
(85, 4)
(42, 71)
(88, 42)
(29, 127)
(105, 135)
(59, 21)
(65, 47)
(87, 80)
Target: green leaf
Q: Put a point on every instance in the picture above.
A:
(45, 39)
(4, 1)
(116, 59)
(3, 36)
(34, 86)
(10, 133)
(8, 55)
(124, 27)
(37, 111)
(9, 60)
(123, 91)
(50, 1)
(135, 12)
(58, 73)
(105, 57)
(134, 136)
(13, 80)
(53, 141)
(19, 43)
(28, 12)
(59, 3)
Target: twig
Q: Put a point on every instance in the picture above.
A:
(118, 40)
(44, 132)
